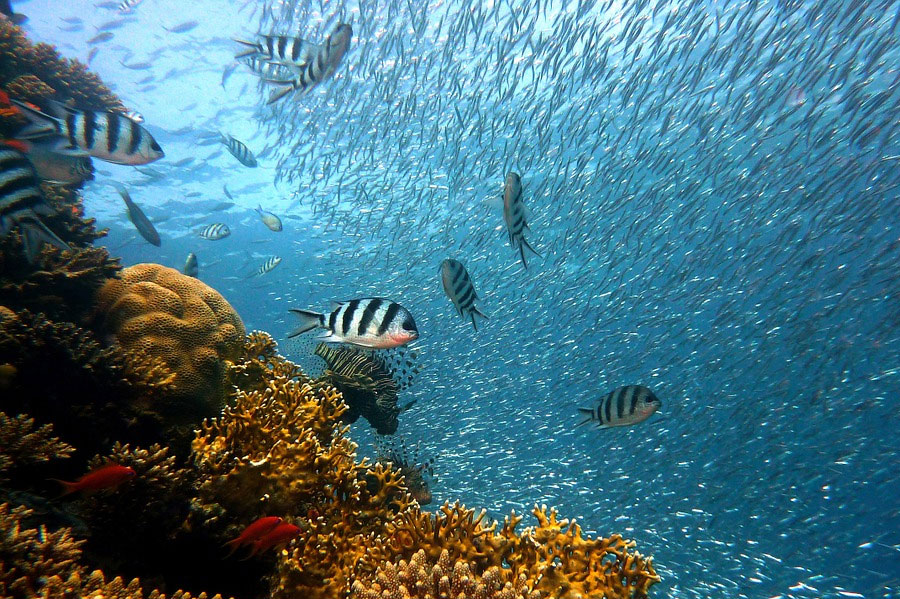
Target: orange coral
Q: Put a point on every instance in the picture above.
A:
(181, 320)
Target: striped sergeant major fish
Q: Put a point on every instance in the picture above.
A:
(126, 6)
(109, 136)
(215, 231)
(319, 67)
(459, 288)
(239, 150)
(624, 406)
(370, 322)
(268, 265)
(22, 203)
(268, 71)
(191, 266)
(514, 214)
(138, 218)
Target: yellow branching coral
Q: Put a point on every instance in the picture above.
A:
(260, 362)
(36, 563)
(180, 320)
(22, 444)
(420, 579)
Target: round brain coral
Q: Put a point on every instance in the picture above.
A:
(162, 313)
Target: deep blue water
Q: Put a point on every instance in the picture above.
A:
(713, 190)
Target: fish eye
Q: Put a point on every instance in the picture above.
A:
(155, 146)
(408, 325)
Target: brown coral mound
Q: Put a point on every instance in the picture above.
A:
(180, 320)
(36, 563)
(423, 580)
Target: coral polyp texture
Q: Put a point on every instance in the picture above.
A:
(182, 321)
(22, 443)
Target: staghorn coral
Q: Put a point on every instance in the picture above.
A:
(88, 392)
(21, 444)
(553, 556)
(423, 580)
(180, 320)
(282, 451)
(36, 563)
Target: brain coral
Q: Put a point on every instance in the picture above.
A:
(181, 320)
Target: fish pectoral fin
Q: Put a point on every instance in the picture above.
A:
(327, 337)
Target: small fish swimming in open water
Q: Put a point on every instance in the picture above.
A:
(268, 265)
(459, 288)
(239, 150)
(109, 136)
(191, 266)
(369, 322)
(138, 218)
(514, 214)
(624, 406)
(215, 231)
(269, 219)
(22, 203)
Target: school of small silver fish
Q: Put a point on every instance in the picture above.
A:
(694, 201)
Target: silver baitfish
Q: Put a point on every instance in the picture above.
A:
(21, 203)
(138, 218)
(370, 322)
(191, 266)
(215, 231)
(109, 136)
(268, 265)
(269, 219)
(459, 288)
(624, 406)
(239, 150)
(514, 214)
(319, 63)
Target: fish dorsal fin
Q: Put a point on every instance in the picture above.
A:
(335, 305)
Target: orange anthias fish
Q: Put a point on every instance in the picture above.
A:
(280, 534)
(106, 477)
(254, 532)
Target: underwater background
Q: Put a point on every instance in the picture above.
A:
(714, 196)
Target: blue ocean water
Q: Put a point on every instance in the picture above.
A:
(713, 189)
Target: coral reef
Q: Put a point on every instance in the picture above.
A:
(36, 563)
(91, 394)
(423, 580)
(23, 444)
(36, 72)
(416, 472)
(180, 320)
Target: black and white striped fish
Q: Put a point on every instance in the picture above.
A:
(126, 6)
(459, 288)
(215, 231)
(21, 203)
(624, 406)
(514, 214)
(191, 266)
(369, 322)
(268, 265)
(280, 49)
(319, 67)
(109, 136)
(239, 150)
(269, 71)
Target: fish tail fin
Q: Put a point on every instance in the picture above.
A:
(279, 94)
(309, 320)
(234, 544)
(589, 415)
(479, 312)
(531, 249)
(34, 233)
(474, 324)
(250, 49)
(67, 487)
(522, 254)
(41, 124)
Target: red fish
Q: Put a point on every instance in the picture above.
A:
(17, 144)
(106, 477)
(254, 532)
(278, 535)
(4, 98)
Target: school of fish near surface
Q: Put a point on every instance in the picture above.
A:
(712, 189)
